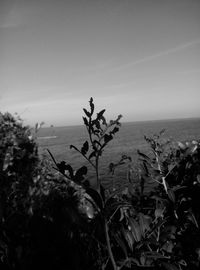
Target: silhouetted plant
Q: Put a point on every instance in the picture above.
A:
(100, 133)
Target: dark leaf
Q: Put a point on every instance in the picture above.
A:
(96, 197)
(91, 105)
(85, 121)
(93, 154)
(169, 266)
(144, 222)
(85, 148)
(104, 120)
(143, 155)
(192, 218)
(171, 195)
(129, 237)
(154, 255)
(97, 124)
(62, 167)
(87, 113)
(157, 172)
(135, 229)
(96, 142)
(145, 169)
(107, 138)
(111, 167)
(121, 244)
(70, 170)
(100, 114)
(96, 132)
(115, 130)
(79, 176)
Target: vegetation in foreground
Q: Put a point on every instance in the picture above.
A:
(63, 220)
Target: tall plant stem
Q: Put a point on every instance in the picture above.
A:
(110, 253)
(97, 174)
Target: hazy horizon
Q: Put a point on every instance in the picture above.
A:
(44, 125)
(137, 58)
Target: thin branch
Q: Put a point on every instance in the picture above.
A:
(115, 267)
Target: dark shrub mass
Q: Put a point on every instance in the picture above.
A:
(53, 216)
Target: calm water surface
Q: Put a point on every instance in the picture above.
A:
(127, 141)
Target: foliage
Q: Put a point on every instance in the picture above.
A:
(65, 220)
(38, 209)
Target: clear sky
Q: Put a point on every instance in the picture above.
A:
(138, 58)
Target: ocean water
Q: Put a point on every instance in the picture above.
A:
(127, 141)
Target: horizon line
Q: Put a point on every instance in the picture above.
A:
(126, 122)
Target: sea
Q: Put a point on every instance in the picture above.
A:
(127, 141)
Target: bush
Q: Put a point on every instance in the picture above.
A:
(63, 220)
(38, 209)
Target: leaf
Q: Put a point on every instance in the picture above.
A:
(145, 169)
(62, 167)
(154, 255)
(104, 120)
(115, 130)
(107, 138)
(129, 238)
(96, 197)
(79, 176)
(144, 222)
(97, 124)
(87, 113)
(91, 105)
(85, 121)
(171, 167)
(96, 142)
(198, 178)
(192, 218)
(159, 213)
(169, 266)
(171, 195)
(135, 229)
(93, 154)
(85, 148)
(143, 155)
(121, 244)
(70, 170)
(100, 114)
(7, 161)
(168, 246)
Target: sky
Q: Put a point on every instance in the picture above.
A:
(138, 58)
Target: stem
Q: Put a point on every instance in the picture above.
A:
(164, 183)
(110, 253)
(97, 173)
(85, 157)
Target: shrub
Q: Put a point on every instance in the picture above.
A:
(40, 217)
